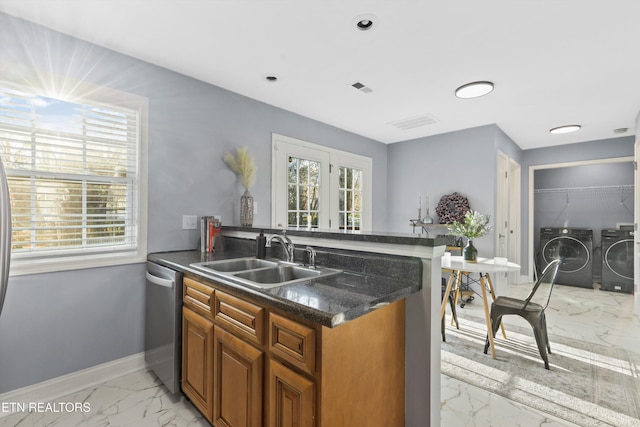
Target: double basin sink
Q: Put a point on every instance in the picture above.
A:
(263, 273)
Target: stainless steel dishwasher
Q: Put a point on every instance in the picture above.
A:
(163, 324)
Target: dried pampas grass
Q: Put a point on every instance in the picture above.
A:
(242, 164)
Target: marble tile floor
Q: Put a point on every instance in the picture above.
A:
(138, 400)
(587, 314)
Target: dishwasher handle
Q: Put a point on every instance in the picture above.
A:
(167, 283)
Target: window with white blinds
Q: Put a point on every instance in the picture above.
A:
(73, 175)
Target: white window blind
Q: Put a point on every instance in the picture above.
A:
(72, 170)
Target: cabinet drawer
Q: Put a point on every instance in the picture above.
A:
(198, 296)
(293, 342)
(241, 317)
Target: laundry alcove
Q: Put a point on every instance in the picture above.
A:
(594, 196)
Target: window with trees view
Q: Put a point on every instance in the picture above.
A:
(73, 174)
(350, 199)
(319, 187)
(303, 193)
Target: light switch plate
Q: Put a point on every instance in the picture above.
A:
(189, 222)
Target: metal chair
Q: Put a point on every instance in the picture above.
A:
(531, 311)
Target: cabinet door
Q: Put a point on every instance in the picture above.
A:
(197, 360)
(238, 383)
(291, 398)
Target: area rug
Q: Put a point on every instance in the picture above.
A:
(587, 384)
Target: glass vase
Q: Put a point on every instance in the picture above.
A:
(246, 209)
(469, 252)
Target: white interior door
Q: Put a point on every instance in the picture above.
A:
(501, 219)
(513, 238)
(636, 238)
(507, 221)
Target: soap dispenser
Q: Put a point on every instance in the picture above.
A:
(261, 245)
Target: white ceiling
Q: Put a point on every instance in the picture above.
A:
(553, 62)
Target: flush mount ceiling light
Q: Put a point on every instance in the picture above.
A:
(565, 129)
(474, 89)
(365, 22)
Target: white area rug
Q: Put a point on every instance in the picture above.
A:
(588, 384)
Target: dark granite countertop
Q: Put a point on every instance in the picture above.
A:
(328, 301)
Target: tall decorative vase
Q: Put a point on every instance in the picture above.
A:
(246, 209)
(469, 252)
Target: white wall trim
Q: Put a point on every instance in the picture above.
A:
(65, 385)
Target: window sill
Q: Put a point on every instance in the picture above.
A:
(25, 266)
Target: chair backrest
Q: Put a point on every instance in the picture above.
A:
(548, 278)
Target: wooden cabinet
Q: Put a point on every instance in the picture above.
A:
(197, 360)
(291, 398)
(238, 390)
(248, 365)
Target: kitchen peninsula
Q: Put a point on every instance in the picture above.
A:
(383, 297)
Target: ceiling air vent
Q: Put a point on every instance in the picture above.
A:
(414, 122)
(362, 88)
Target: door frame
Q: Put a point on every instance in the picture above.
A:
(636, 235)
(515, 212)
(533, 168)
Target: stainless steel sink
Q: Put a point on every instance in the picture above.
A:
(262, 273)
(236, 264)
(283, 273)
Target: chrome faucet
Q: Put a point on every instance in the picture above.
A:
(286, 243)
(312, 257)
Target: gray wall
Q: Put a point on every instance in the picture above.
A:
(463, 161)
(592, 150)
(58, 323)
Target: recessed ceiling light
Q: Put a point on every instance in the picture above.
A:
(565, 129)
(474, 89)
(365, 22)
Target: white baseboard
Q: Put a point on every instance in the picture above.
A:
(64, 385)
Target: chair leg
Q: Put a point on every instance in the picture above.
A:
(542, 345)
(546, 335)
(444, 339)
(495, 325)
(453, 311)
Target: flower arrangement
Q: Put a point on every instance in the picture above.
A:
(473, 225)
(243, 165)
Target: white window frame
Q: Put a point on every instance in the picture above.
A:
(62, 260)
(331, 159)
